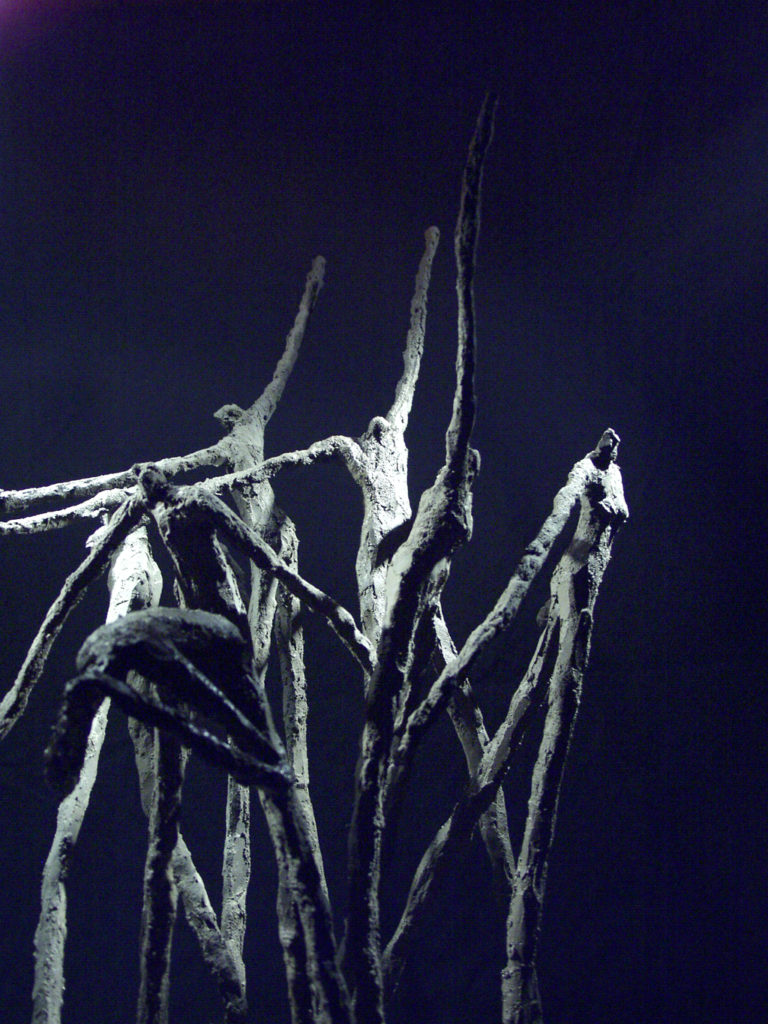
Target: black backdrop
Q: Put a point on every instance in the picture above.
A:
(168, 173)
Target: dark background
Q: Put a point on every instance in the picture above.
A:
(168, 172)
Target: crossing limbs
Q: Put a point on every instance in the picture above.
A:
(187, 660)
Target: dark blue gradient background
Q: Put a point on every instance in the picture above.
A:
(167, 173)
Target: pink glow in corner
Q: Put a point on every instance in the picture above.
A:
(22, 22)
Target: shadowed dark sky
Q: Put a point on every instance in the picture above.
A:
(167, 174)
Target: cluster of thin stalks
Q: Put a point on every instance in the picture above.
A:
(191, 678)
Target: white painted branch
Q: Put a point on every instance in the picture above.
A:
(504, 611)
(245, 445)
(320, 451)
(288, 827)
(217, 454)
(92, 508)
(245, 539)
(15, 701)
(73, 490)
(106, 501)
(289, 833)
(467, 718)
(236, 873)
(603, 511)
(198, 909)
(202, 919)
(267, 401)
(51, 933)
(473, 802)
(500, 749)
(160, 895)
(520, 1004)
(290, 649)
(442, 522)
(574, 588)
(414, 345)
(134, 581)
(465, 246)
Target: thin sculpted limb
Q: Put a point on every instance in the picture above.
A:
(134, 581)
(200, 678)
(96, 562)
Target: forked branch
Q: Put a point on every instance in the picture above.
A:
(194, 678)
(414, 345)
(75, 585)
(603, 510)
(442, 522)
(134, 581)
(15, 501)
